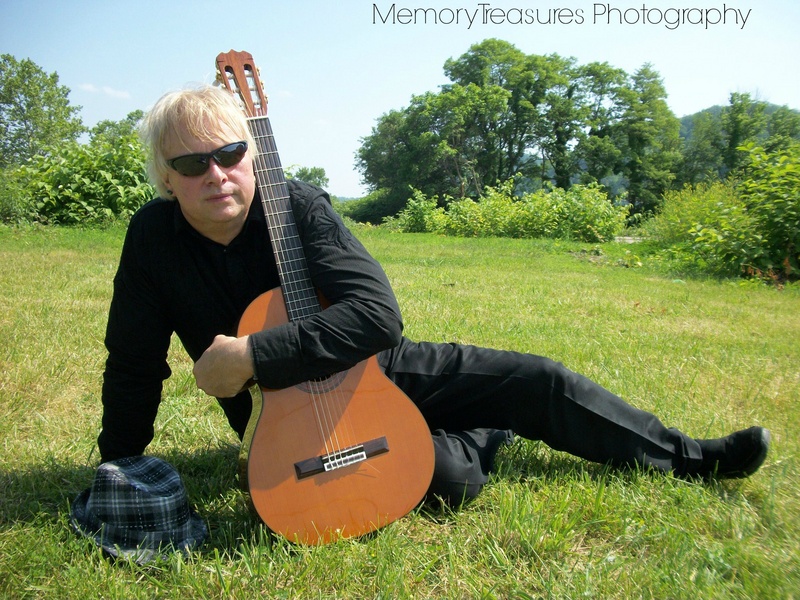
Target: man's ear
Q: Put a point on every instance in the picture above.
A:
(167, 184)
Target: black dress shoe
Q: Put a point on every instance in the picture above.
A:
(737, 455)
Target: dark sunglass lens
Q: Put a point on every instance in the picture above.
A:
(191, 165)
(230, 155)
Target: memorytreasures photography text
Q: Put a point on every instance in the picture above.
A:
(599, 14)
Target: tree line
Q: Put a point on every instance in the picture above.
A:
(540, 121)
(550, 121)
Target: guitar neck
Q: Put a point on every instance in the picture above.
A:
(299, 294)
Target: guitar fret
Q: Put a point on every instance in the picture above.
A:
(302, 302)
(291, 266)
(296, 296)
(296, 292)
(301, 308)
(291, 257)
(297, 273)
(291, 234)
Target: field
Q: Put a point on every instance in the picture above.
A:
(707, 356)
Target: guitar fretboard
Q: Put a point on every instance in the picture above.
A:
(299, 294)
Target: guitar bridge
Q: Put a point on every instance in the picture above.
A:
(340, 458)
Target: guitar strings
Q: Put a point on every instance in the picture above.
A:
(299, 295)
(293, 296)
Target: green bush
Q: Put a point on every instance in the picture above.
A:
(372, 208)
(683, 210)
(13, 207)
(421, 214)
(751, 227)
(490, 216)
(540, 214)
(770, 189)
(581, 213)
(696, 226)
(86, 183)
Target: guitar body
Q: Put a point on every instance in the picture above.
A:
(358, 406)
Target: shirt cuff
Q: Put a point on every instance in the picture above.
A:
(277, 360)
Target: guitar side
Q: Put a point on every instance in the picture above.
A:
(358, 425)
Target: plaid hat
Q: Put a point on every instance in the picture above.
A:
(135, 507)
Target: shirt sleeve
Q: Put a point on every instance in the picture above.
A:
(362, 319)
(137, 339)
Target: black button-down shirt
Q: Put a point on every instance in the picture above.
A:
(171, 280)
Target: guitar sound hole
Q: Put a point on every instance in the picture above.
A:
(322, 384)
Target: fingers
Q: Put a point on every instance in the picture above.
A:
(225, 367)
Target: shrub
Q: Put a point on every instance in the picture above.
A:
(13, 207)
(421, 214)
(538, 214)
(86, 183)
(683, 210)
(751, 227)
(770, 189)
(582, 213)
(487, 217)
(700, 228)
(372, 208)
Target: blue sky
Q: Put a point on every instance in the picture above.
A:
(332, 67)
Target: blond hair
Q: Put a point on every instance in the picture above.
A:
(207, 113)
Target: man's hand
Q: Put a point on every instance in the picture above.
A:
(225, 367)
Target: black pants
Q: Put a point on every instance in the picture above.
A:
(465, 392)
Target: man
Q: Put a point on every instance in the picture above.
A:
(194, 259)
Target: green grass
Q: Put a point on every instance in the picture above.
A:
(707, 356)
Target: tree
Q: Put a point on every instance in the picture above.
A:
(35, 113)
(113, 131)
(543, 117)
(600, 150)
(466, 122)
(652, 141)
(402, 152)
(742, 121)
(490, 62)
(443, 144)
(313, 175)
(702, 151)
(783, 129)
(562, 117)
(507, 139)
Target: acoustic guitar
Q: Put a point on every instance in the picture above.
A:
(331, 458)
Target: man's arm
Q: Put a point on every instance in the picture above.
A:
(137, 340)
(363, 317)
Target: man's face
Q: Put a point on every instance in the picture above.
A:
(215, 203)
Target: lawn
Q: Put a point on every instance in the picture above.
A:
(707, 356)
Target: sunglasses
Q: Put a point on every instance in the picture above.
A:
(194, 165)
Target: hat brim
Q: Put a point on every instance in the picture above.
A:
(140, 555)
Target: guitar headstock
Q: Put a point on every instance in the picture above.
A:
(237, 72)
